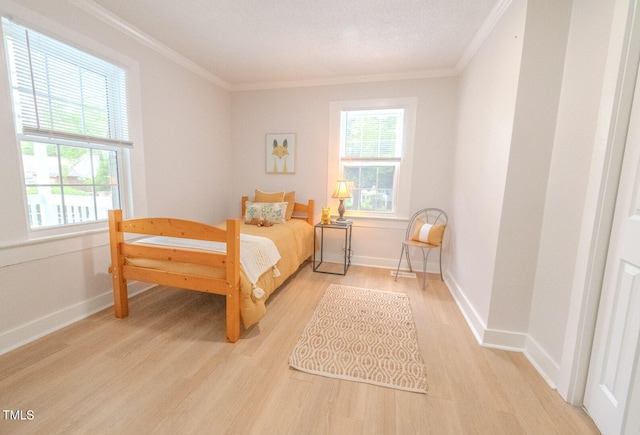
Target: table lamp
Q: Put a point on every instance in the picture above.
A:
(341, 193)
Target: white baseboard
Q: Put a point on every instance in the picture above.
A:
(544, 364)
(476, 324)
(505, 340)
(23, 334)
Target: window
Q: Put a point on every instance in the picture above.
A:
(374, 150)
(70, 113)
(370, 154)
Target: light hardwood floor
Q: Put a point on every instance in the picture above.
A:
(167, 369)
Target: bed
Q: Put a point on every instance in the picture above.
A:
(213, 259)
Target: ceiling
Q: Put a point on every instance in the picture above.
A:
(255, 43)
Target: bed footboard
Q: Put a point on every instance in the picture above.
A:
(229, 262)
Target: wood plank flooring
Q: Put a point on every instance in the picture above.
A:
(167, 369)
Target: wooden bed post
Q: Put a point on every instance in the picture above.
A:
(116, 238)
(233, 280)
(244, 205)
(310, 212)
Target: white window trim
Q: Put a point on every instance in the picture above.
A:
(132, 164)
(403, 189)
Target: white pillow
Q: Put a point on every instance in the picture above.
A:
(273, 212)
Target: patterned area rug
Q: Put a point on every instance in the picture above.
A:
(362, 335)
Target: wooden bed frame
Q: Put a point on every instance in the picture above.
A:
(228, 285)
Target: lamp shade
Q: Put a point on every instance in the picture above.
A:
(342, 190)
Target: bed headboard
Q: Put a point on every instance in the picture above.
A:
(300, 211)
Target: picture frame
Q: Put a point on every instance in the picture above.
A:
(280, 153)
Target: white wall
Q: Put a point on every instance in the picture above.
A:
(502, 166)
(182, 123)
(187, 128)
(518, 225)
(545, 36)
(580, 135)
(305, 111)
(486, 107)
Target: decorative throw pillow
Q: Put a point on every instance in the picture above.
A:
(282, 196)
(273, 212)
(427, 233)
(269, 196)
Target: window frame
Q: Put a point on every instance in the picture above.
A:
(370, 161)
(122, 146)
(404, 164)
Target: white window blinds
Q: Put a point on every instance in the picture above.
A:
(59, 91)
(373, 134)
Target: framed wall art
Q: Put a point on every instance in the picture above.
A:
(281, 151)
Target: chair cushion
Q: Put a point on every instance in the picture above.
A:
(427, 233)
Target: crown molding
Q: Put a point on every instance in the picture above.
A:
(332, 81)
(127, 28)
(137, 34)
(482, 34)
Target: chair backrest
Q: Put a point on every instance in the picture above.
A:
(433, 216)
